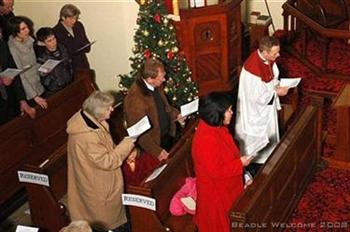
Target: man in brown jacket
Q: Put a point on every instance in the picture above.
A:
(146, 97)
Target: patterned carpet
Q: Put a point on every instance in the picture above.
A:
(325, 206)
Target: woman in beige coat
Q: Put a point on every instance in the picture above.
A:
(95, 181)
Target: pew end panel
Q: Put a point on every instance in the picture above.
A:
(29, 141)
(162, 189)
(47, 212)
(280, 183)
(16, 143)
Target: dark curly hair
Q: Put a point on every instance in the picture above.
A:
(212, 108)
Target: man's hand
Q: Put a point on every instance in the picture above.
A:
(281, 91)
(181, 119)
(163, 155)
(41, 102)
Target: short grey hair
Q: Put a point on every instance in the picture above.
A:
(97, 103)
(77, 226)
(69, 10)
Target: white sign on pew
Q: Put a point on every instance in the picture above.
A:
(156, 173)
(34, 178)
(139, 201)
(26, 229)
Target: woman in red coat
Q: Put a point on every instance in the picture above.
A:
(218, 164)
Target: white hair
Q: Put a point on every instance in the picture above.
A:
(97, 103)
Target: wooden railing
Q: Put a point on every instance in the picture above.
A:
(300, 23)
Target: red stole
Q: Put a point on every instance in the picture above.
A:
(255, 65)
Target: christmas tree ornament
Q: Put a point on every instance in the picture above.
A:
(160, 43)
(175, 49)
(135, 49)
(170, 55)
(156, 18)
(147, 53)
(145, 33)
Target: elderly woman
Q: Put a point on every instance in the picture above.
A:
(218, 164)
(71, 33)
(95, 181)
(21, 47)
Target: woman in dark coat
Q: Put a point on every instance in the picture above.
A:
(71, 33)
(218, 164)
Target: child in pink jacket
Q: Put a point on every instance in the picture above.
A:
(177, 207)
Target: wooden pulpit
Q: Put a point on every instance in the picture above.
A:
(341, 157)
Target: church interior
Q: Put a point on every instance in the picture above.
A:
(305, 184)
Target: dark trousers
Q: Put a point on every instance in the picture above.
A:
(166, 142)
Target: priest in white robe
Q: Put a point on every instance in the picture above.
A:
(258, 102)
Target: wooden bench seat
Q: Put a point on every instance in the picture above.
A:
(24, 140)
(280, 183)
(163, 188)
(272, 197)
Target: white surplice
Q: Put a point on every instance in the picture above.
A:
(256, 120)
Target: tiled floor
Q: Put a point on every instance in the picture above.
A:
(20, 217)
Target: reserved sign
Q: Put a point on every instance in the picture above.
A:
(139, 201)
(34, 178)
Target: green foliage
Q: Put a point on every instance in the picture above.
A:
(156, 37)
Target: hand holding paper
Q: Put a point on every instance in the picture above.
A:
(85, 46)
(138, 128)
(12, 72)
(189, 108)
(49, 65)
(290, 82)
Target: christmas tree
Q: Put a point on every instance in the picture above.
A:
(156, 38)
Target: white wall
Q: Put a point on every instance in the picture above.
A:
(112, 23)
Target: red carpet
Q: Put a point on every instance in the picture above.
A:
(325, 206)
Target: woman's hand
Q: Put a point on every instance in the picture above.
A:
(163, 155)
(132, 156)
(25, 108)
(246, 160)
(131, 159)
(41, 102)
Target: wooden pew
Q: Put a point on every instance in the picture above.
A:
(48, 211)
(24, 140)
(163, 188)
(286, 174)
(280, 183)
(49, 214)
